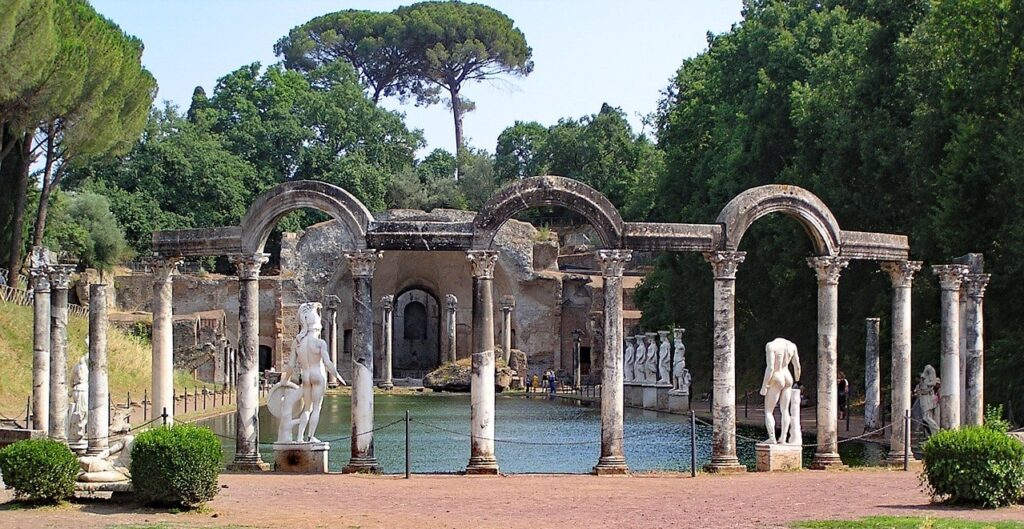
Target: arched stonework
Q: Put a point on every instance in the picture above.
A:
(796, 202)
(264, 213)
(548, 191)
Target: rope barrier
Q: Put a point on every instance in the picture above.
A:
(845, 440)
(510, 441)
(336, 439)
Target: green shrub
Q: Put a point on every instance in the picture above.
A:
(994, 419)
(176, 466)
(39, 469)
(975, 465)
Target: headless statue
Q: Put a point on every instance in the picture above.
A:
(311, 361)
(78, 411)
(779, 354)
(927, 399)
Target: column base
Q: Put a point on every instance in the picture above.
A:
(361, 465)
(482, 466)
(826, 461)
(385, 385)
(725, 465)
(611, 466)
(895, 459)
(248, 465)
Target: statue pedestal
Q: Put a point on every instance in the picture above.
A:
(301, 458)
(662, 395)
(678, 401)
(650, 397)
(633, 394)
(778, 457)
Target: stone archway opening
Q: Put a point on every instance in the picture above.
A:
(416, 334)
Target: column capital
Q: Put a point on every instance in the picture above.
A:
(950, 276)
(388, 302)
(508, 303)
(452, 301)
(247, 266)
(482, 262)
(163, 267)
(901, 273)
(724, 263)
(363, 262)
(975, 285)
(613, 262)
(828, 268)
(40, 278)
(332, 302)
(60, 276)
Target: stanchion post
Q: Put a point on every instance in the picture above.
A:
(693, 444)
(164, 416)
(846, 411)
(28, 412)
(906, 442)
(746, 404)
(408, 461)
(145, 405)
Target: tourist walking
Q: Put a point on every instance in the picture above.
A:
(843, 389)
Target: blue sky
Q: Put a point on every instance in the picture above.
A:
(585, 52)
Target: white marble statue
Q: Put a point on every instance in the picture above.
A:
(639, 359)
(927, 391)
(796, 436)
(627, 361)
(299, 405)
(651, 360)
(680, 375)
(78, 408)
(664, 360)
(778, 381)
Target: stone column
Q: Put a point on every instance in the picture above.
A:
(507, 304)
(98, 426)
(362, 264)
(872, 382)
(974, 385)
(577, 337)
(331, 335)
(40, 348)
(827, 268)
(723, 435)
(387, 323)
(950, 278)
(901, 273)
(163, 336)
(247, 398)
(481, 456)
(60, 278)
(613, 455)
(451, 328)
(963, 350)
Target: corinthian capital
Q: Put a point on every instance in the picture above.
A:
(724, 263)
(363, 262)
(452, 301)
(613, 262)
(508, 303)
(482, 262)
(950, 276)
(388, 302)
(60, 276)
(975, 285)
(828, 268)
(901, 273)
(163, 267)
(247, 266)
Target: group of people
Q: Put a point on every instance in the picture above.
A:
(549, 381)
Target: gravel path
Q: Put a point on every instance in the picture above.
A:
(531, 501)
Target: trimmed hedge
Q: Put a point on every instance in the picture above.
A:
(39, 469)
(176, 466)
(975, 465)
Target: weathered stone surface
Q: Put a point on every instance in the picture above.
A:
(777, 457)
(872, 376)
(518, 362)
(455, 378)
(9, 436)
(301, 458)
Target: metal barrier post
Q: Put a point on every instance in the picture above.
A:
(746, 404)
(164, 416)
(693, 444)
(408, 461)
(906, 442)
(145, 405)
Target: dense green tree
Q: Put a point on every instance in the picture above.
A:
(84, 228)
(517, 154)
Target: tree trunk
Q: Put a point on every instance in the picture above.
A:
(457, 113)
(44, 195)
(24, 161)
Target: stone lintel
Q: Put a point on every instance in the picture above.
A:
(663, 236)
(875, 246)
(199, 241)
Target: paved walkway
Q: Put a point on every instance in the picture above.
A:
(531, 501)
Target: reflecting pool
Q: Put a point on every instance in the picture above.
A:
(532, 435)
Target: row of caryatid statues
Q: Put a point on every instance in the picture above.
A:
(646, 361)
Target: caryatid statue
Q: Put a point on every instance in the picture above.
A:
(640, 360)
(680, 382)
(651, 360)
(299, 405)
(778, 381)
(627, 361)
(664, 359)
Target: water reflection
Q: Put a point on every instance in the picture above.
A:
(533, 435)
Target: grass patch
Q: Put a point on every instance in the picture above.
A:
(128, 360)
(897, 522)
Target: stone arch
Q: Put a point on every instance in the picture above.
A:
(793, 201)
(284, 198)
(548, 191)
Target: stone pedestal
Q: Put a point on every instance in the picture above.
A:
(662, 396)
(301, 458)
(778, 457)
(678, 402)
(650, 397)
(633, 395)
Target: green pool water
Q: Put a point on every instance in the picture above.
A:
(534, 435)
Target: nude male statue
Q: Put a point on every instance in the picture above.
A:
(779, 354)
(310, 360)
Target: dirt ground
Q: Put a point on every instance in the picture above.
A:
(533, 501)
